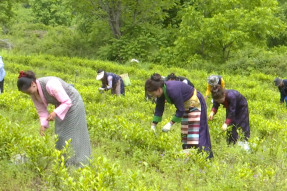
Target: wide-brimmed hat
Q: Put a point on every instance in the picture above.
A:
(277, 81)
(212, 80)
(100, 74)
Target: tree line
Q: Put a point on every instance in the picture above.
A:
(194, 33)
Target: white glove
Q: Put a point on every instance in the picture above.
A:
(101, 89)
(224, 127)
(167, 127)
(210, 117)
(153, 128)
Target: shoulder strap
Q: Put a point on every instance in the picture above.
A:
(165, 94)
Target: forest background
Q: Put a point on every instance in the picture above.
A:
(237, 36)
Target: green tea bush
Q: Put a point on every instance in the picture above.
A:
(127, 155)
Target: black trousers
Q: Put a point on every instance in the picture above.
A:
(2, 86)
(232, 135)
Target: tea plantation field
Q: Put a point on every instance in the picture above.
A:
(126, 153)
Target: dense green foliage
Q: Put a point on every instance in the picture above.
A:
(218, 28)
(126, 154)
(216, 34)
(50, 12)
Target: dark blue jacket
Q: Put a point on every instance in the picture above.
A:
(180, 78)
(283, 91)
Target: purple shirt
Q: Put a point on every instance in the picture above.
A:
(178, 92)
(234, 103)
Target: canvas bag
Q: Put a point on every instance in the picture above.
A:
(126, 79)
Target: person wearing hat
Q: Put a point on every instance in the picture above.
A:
(237, 114)
(2, 75)
(111, 81)
(213, 80)
(282, 87)
(69, 113)
(172, 76)
(191, 111)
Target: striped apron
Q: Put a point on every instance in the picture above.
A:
(190, 122)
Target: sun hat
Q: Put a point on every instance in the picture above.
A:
(100, 74)
(212, 80)
(277, 81)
